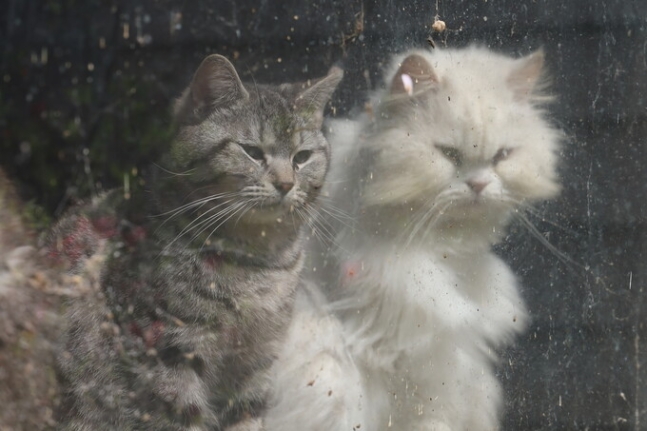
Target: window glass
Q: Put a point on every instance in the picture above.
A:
(86, 89)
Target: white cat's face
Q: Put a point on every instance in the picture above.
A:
(469, 145)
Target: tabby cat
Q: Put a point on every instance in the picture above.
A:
(200, 272)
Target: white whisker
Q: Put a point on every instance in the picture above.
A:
(535, 232)
(236, 208)
(194, 203)
(175, 174)
(319, 225)
(426, 217)
(196, 224)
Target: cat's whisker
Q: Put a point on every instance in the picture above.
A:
(526, 207)
(337, 216)
(175, 174)
(250, 205)
(306, 220)
(417, 222)
(206, 187)
(339, 181)
(519, 209)
(320, 227)
(334, 211)
(538, 235)
(431, 223)
(203, 226)
(214, 218)
(425, 217)
(187, 206)
(194, 207)
(327, 213)
(241, 206)
(569, 262)
(195, 224)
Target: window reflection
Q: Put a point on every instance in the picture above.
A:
(85, 91)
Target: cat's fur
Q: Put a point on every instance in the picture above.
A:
(200, 273)
(454, 146)
(317, 386)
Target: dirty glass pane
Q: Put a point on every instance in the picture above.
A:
(86, 89)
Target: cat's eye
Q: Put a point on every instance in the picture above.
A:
(301, 157)
(452, 154)
(500, 155)
(253, 151)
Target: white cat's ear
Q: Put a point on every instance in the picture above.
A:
(214, 84)
(311, 97)
(414, 75)
(525, 78)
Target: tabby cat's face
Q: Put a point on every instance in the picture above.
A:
(250, 153)
(258, 154)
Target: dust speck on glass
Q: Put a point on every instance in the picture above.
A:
(323, 215)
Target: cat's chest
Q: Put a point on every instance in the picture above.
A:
(430, 280)
(222, 306)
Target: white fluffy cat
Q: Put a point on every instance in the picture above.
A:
(456, 143)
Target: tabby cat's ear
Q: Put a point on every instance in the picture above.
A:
(215, 84)
(414, 75)
(525, 78)
(310, 98)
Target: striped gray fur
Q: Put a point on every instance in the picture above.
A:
(201, 270)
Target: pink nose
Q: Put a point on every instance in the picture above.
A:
(284, 187)
(477, 185)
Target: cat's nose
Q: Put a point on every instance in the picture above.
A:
(477, 185)
(284, 187)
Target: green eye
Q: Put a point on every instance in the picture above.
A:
(301, 157)
(452, 154)
(253, 151)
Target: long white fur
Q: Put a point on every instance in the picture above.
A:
(318, 387)
(422, 301)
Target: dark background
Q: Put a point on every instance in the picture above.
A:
(86, 86)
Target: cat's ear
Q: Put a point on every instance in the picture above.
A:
(310, 98)
(414, 75)
(526, 77)
(215, 84)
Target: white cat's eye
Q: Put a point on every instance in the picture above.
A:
(452, 154)
(301, 157)
(253, 151)
(500, 155)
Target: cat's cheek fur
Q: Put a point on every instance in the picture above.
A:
(530, 177)
(393, 179)
(310, 174)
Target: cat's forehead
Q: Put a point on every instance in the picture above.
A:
(477, 130)
(478, 125)
(272, 114)
(264, 115)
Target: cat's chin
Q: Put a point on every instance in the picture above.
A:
(266, 214)
(477, 208)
